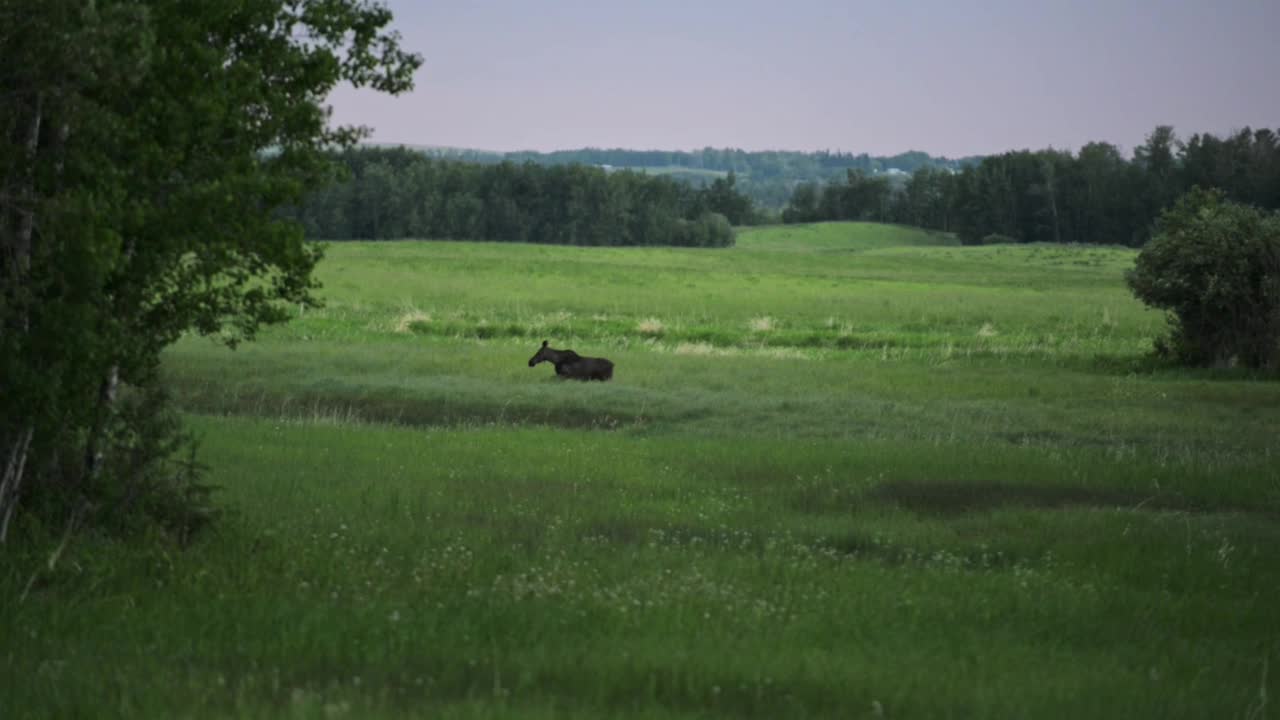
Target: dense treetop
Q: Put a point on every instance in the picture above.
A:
(398, 193)
(767, 177)
(595, 197)
(1093, 196)
(145, 148)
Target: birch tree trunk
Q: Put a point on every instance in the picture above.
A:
(93, 453)
(11, 482)
(18, 259)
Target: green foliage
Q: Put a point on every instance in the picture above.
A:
(1095, 196)
(1214, 265)
(768, 177)
(764, 164)
(150, 480)
(147, 147)
(857, 196)
(398, 193)
(723, 198)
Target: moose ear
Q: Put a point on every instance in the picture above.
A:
(544, 343)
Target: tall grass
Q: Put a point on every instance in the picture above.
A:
(842, 471)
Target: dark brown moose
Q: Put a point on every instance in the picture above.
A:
(572, 366)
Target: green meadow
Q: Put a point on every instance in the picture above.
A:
(843, 470)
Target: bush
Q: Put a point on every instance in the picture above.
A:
(1214, 265)
(149, 481)
(714, 230)
(709, 230)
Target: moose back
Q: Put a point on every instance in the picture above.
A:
(571, 365)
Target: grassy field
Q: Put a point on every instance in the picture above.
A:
(842, 470)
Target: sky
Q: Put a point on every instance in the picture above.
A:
(949, 77)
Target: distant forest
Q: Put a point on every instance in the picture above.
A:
(627, 197)
(400, 193)
(767, 177)
(1093, 196)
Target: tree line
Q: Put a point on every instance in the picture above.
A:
(785, 164)
(1094, 196)
(767, 177)
(583, 197)
(400, 193)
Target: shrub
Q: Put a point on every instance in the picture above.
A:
(149, 480)
(714, 230)
(711, 229)
(1214, 265)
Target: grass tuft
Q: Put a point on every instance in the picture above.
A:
(651, 326)
(411, 320)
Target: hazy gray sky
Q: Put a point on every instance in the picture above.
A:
(952, 77)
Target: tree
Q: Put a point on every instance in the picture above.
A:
(1214, 265)
(146, 148)
(1101, 211)
(723, 197)
(1158, 174)
(804, 204)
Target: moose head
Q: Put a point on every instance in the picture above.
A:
(544, 354)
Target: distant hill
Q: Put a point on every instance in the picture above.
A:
(768, 177)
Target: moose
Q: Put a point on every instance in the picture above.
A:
(571, 365)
